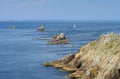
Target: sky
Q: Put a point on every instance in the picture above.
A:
(20, 10)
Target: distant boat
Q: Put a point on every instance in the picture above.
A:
(13, 27)
(74, 26)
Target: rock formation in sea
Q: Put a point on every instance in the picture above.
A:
(99, 59)
(59, 39)
(41, 28)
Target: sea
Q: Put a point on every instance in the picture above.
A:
(22, 53)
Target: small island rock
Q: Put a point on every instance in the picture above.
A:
(59, 39)
(41, 28)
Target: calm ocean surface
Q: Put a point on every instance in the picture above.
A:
(22, 56)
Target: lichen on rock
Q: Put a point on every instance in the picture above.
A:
(99, 59)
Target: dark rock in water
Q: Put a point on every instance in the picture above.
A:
(59, 39)
(99, 59)
(41, 28)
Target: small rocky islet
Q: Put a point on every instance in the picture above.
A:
(56, 39)
(41, 28)
(59, 39)
(99, 59)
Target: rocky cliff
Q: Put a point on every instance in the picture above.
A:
(99, 59)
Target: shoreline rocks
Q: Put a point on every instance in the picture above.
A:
(99, 59)
(59, 39)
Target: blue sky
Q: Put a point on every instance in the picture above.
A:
(59, 10)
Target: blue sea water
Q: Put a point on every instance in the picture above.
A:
(22, 55)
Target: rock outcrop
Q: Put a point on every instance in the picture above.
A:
(41, 28)
(99, 59)
(59, 39)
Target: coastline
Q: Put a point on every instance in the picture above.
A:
(99, 59)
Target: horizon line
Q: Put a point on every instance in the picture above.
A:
(53, 20)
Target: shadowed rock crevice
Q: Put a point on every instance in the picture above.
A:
(114, 74)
